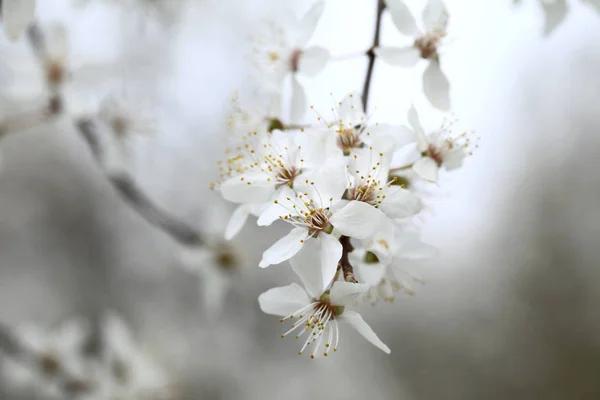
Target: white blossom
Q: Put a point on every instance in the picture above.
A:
(316, 313)
(280, 51)
(426, 45)
(15, 16)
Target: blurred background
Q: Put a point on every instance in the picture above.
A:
(509, 308)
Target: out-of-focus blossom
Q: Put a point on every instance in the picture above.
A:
(15, 16)
(280, 50)
(426, 46)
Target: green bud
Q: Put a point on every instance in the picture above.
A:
(275, 124)
(371, 258)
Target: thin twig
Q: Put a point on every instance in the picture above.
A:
(371, 55)
(344, 263)
(135, 197)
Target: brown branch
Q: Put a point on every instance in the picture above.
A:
(126, 187)
(371, 55)
(344, 263)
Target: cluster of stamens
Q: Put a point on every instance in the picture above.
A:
(304, 212)
(367, 187)
(444, 141)
(428, 44)
(316, 320)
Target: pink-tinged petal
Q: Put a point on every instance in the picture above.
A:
(402, 17)
(357, 219)
(298, 103)
(436, 86)
(237, 221)
(454, 159)
(283, 301)
(555, 13)
(410, 246)
(399, 56)
(331, 252)
(344, 293)
(307, 265)
(400, 203)
(309, 23)
(250, 188)
(15, 16)
(427, 169)
(313, 60)
(354, 319)
(285, 248)
(435, 15)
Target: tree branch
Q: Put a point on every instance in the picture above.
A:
(126, 187)
(371, 55)
(344, 263)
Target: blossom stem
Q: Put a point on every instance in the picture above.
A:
(344, 263)
(126, 187)
(371, 55)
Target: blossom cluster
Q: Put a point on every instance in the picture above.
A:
(347, 185)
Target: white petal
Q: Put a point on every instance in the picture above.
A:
(249, 188)
(354, 319)
(435, 15)
(330, 181)
(555, 13)
(415, 123)
(595, 4)
(427, 169)
(283, 301)
(16, 15)
(285, 248)
(298, 104)
(399, 56)
(72, 334)
(454, 159)
(402, 17)
(57, 41)
(357, 219)
(313, 60)
(410, 246)
(307, 265)
(273, 211)
(436, 86)
(237, 221)
(118, 335)
(400, 203)
(370, 274)
(344, 293)
(331, 252)
(309, 23)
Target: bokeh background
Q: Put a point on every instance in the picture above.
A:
(509, 310)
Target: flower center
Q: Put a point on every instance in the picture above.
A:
(295, 60)
(433, 153)
(349, 138)
(366, 193)
(225, 258)
(428, 44)
(318, 221)
(286, 175)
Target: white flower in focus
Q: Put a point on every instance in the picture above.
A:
(316, 314)
(131, 373)
(280, 50)
(319, 214)
(426, 46)
(351, 130)
(441, 148)
(123, 119)
(15, 16)
(370, 182)
(380, 261)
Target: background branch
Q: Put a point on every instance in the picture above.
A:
(371, 55)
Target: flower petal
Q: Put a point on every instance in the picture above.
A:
(369, 273)
(415, 123)
(283, 301)
(344, 293)
(15, 16)
(307, 265)
(309, 23)
(399, 56)
(357, 219)
(331, 252)
(249, 188)
(237, 221)
(273, 211)
(400, 203)
(313, 60)
(285, 248)
(298, 104)
(410, 246)
(402, 17)
(436, 86)
(435, 15)
(354, 319)
(427, 169)
(595, 4)
(72, 334)
(454, 159)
